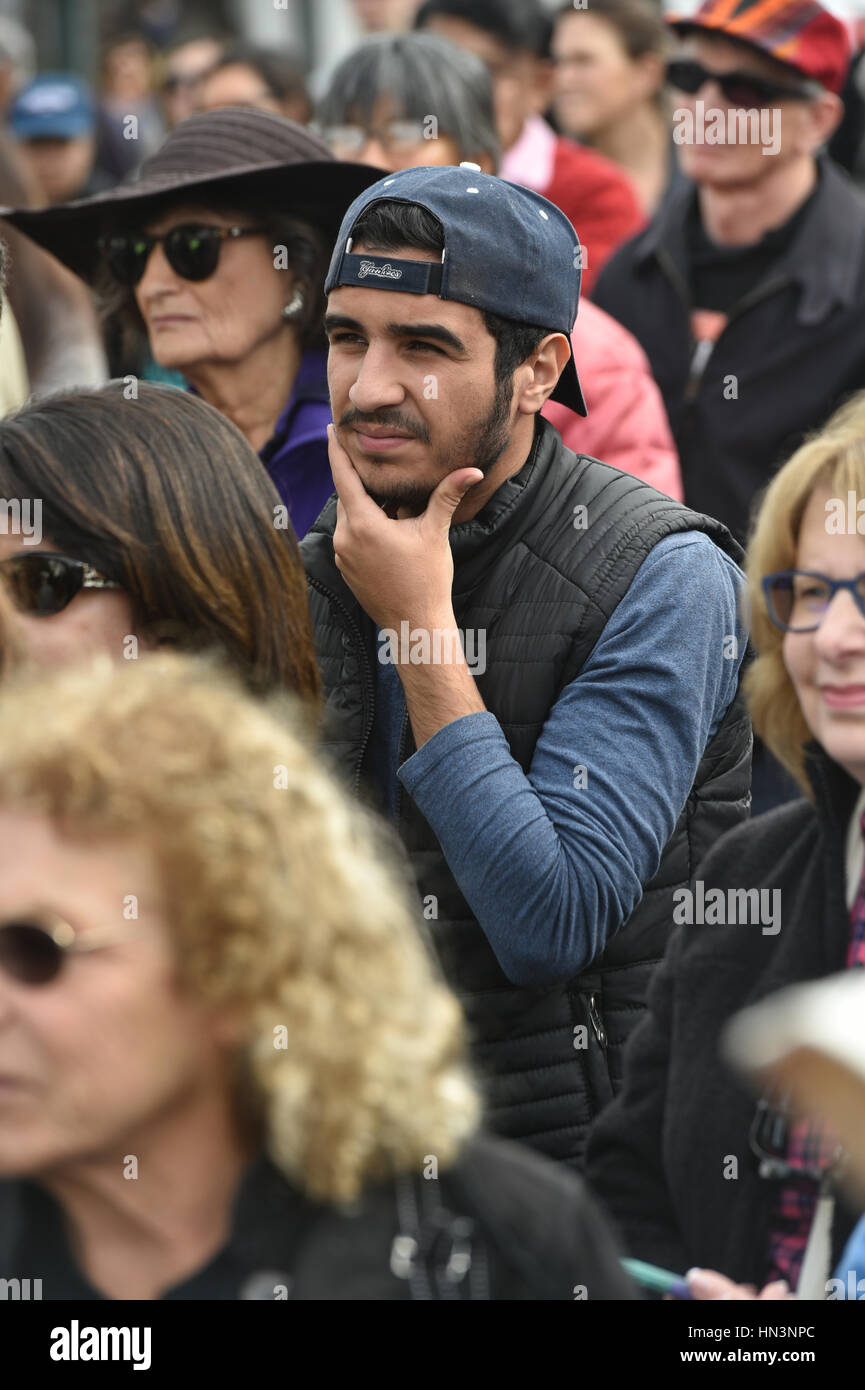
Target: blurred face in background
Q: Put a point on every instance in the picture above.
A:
(95, 1061)
(126, 73)
(236, 85)
(375, 16)
(595, 80)
(801, 126)
(187, 64)
(59, 168)
(520, 80)
(391, 141)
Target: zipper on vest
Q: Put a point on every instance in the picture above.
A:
(400, 759)
(368, 694)
(596, 1020)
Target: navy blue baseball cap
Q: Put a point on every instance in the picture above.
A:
(54, 106)
(506, 249)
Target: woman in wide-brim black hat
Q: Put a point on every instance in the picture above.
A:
(219, 250)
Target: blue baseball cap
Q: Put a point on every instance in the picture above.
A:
(54, 106)
(506, 250)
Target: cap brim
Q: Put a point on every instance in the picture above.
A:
(70, 231)
(568, 390)
(40, 129)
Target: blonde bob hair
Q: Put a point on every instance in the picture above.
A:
(834, 458)
(283, 905)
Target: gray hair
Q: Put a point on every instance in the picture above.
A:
(422, 75)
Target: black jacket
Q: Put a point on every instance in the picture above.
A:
(526, 1229)
(657, 1158)
(795, 344)
(540, 1085)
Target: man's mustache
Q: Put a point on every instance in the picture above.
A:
(353, 419)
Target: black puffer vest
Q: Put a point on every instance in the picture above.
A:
(543, 591)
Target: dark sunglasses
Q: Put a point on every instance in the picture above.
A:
(797, 600)
(192, 250)
(34, 950)
(739, 88)
(43, 584)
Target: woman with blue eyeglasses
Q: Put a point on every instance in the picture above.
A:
(699, 1177)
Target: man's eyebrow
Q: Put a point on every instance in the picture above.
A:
(427, 330)
(436, 331)
(342, 321)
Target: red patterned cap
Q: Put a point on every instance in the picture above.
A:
(799, 33)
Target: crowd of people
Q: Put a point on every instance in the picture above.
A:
(486, 441)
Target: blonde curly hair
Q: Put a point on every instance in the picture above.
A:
(283, 905)
(834, 458)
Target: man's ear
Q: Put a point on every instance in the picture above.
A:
(827, 112)
(541, 370)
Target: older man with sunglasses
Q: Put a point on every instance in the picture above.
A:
(747, 290)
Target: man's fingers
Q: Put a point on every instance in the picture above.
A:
(449, 493)
(708, 1284)
(349, 487)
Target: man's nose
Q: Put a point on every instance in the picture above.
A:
(377, 383)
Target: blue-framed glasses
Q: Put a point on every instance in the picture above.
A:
(797, 599)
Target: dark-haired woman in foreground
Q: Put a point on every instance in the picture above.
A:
(150, 521)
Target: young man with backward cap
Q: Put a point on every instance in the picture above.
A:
(532, 658)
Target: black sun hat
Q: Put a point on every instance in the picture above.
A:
(233, 148)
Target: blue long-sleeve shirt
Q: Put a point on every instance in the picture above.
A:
(552, 862)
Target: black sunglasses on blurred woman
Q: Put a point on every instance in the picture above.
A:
(42, 583)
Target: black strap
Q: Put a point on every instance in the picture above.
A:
(390, 273)
(438, 1252)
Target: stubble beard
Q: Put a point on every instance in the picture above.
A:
(479, 449)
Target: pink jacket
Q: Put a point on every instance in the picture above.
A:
(627, 424)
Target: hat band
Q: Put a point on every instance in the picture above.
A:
(387, 273)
